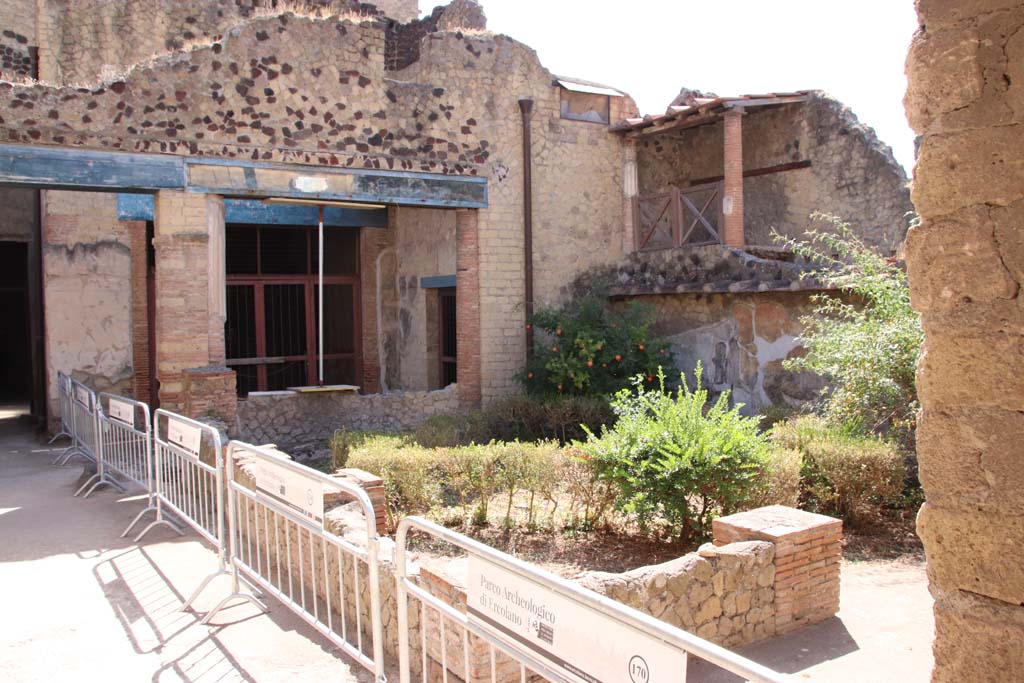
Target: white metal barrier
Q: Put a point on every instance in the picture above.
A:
(64, 407)
(188, 481)
(522, 621)
(124, 449)
(277, 540)
(83, 424)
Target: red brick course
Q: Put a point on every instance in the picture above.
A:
(467, 306)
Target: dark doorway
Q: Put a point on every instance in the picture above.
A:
(15, 337)
(447, 336)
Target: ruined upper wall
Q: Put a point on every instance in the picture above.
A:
(852, 174)
(17, 35)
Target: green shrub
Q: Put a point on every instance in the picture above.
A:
(845, 473)
(591, 348)
(522, 418)
(412, 475)
(674, 457)
(343, 441)
(868, 347)
(781, 478)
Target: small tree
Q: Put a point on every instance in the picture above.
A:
(867, 347)
(590, 348)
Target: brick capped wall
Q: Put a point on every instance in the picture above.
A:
(808, 548)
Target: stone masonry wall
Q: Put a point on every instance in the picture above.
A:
(86, 292)
(853, 175)
(17, 35)
(302, 424)
(723, 594)
(966, 265)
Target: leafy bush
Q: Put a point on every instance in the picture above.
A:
(781, 476)
(591, 348)
(412, 475)
(522, 418)
(421, 480)
(674, 457)
(867, 348)
(845, 473)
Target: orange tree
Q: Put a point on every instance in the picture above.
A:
(591, 348)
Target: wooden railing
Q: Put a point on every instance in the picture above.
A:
(688, 216)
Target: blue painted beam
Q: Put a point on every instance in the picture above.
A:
(139, 207)
(65, 168)
(437, 281)
(51, 167)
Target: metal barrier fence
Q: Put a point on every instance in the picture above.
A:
(522, 621)
(277, 540)
(83, 424)
(64, 407)
(188, 481)
(124, 449)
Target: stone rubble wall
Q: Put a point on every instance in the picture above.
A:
(853, 175)
(965, 98)
(302, 423)
(723, 594)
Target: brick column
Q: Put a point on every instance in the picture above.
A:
(732, 200)
(467, 306)
(189, 328)
(140, 311)
(807, 551)
(378, 304)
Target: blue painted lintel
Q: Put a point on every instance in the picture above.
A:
(139, 207)
(437, 281)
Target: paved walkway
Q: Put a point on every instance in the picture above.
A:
(81, 604)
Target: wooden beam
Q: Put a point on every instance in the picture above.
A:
(71, 168)
(792, 166)
(678, 124)
(50, 167)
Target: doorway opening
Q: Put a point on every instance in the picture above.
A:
(15, 334)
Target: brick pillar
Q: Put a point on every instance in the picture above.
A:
(189, 326)
(140, 311)
(374, 487)
(378, 304)
(467, 306)
(732, 200)
(630, 190)
(807, 552)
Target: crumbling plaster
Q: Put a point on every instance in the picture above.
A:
(87, 293)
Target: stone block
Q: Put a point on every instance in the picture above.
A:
(970, 368)
(975, 552)
(976, 639)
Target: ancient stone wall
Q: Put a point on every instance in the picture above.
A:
(966, 264)
(852, 174)
(86, 292)
(302, 424)
(425, 246)
(741, 340)
(272, 91)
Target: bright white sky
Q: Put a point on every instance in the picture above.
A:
(853, 51)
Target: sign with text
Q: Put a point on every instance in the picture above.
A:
(587, 645)
(82, 395)
(188, 438)
(122, 412)
(296, 491)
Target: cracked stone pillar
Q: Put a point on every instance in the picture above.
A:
(190, 310)
(966, 262)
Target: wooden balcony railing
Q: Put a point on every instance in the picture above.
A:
(688, 216)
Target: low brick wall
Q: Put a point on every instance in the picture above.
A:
(302, 423)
